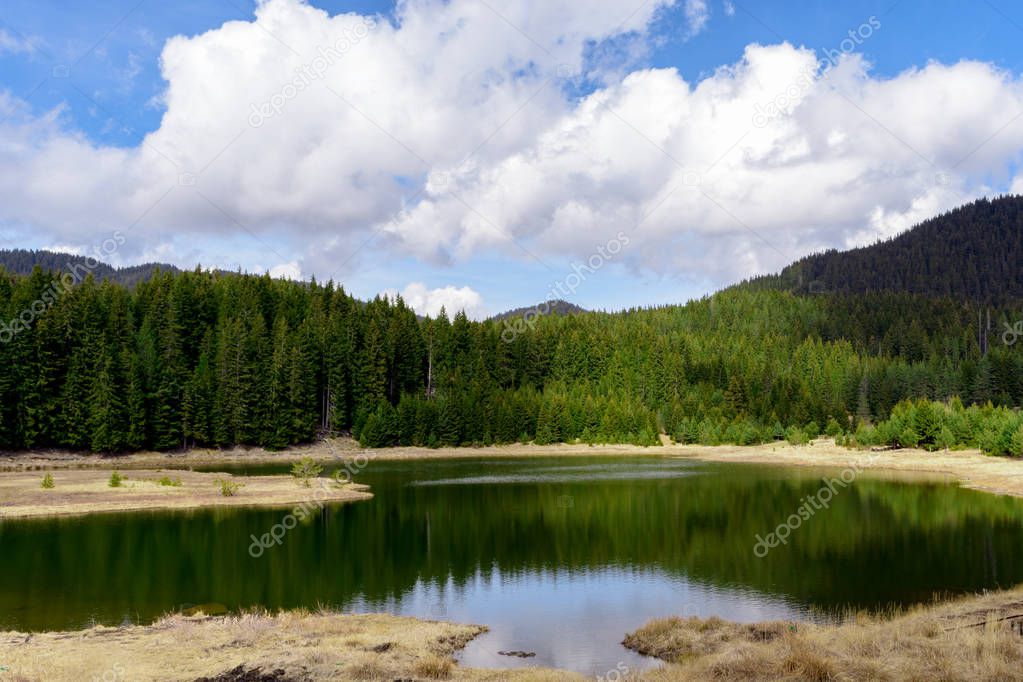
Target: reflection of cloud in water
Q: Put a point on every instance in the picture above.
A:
(573, 620)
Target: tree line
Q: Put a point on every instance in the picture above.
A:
(212, 359)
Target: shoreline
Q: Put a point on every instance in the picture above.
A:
(78, 492)
(286, 646)
(923, 642)
(974, 637)
(969, 468)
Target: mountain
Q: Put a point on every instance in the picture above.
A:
(22, 261)
(974, 252)
(553, 307)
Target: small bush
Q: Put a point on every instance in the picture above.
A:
(796, 436)
(305, 469)
(115, 479)
(812, 431)
(228, 488)
(168, 481)
(48, 482)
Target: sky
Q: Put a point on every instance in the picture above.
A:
(486, 156)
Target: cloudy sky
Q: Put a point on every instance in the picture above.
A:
(480, 154)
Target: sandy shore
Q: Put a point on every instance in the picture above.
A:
(85, 491)
(287, 647)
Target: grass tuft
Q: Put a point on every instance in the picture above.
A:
(433, 667)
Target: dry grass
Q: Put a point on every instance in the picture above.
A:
(972, 639)
(83, 491)
(294, 645)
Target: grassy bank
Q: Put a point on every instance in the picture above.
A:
(976, 638)
(84, 491)
(285, 647)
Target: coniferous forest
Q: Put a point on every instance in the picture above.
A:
(198, 358)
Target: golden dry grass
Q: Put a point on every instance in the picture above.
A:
(973, 639)
(303, 646)
(83, 491)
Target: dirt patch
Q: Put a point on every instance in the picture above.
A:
(240, 674)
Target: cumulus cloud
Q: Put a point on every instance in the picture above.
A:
(363, 109)
(742, 172)
(453, 299)
(452, 129)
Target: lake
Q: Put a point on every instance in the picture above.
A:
(560, 556)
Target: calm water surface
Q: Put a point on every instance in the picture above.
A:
(558, 556)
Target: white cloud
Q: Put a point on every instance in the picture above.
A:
(697, 16)
(430, 301)
(447, 132)
(12, 44)
(449, 80)
(729, 8)
(70, 249)
(289, 270)
(855, 158)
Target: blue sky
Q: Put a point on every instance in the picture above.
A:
(96, 68)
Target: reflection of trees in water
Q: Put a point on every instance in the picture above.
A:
(877, 543)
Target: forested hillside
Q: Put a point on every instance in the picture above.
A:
(23, 261)
(197, 358)
(973, 252)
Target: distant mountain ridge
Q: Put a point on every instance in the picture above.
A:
(23, 261)
(553, 307)
(973, 252)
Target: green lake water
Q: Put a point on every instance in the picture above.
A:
(558, 556)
